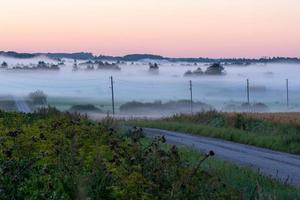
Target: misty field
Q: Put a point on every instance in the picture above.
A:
(134, 82)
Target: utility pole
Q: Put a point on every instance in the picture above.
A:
(191, 91)
(112, 95)
(248, 91)
(287, 93)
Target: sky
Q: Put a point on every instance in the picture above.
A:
(177, 28)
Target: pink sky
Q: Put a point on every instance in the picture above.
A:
(181, 28)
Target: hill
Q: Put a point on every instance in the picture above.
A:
(139, 57)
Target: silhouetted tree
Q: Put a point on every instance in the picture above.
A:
(215, 69)
(153, 66)
(4, 65)
(38, 97)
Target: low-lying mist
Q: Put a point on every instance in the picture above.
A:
(134, 82)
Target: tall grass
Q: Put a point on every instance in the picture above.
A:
(249, 183)
(236, 128)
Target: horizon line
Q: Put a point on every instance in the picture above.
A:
(151, 54)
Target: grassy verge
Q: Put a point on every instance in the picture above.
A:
(237, 128)
(249, 183)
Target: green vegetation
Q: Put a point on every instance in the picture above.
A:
(196, 72)
(215, 69)
(250, 184)
(4, 65)
(159, 107)
(85, 108)
(246, 107)
(38, 97)
(235, 127)
(53, 155)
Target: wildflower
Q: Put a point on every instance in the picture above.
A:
(211, 153)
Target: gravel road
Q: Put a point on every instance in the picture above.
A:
(279, 165)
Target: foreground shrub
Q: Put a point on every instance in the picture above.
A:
(50, 155)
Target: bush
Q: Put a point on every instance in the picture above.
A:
(84, 108)
(215, 69)
(4, 65)
(38, 97)
(51, 155)
(158, 107)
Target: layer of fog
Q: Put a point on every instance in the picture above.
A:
(135, 83)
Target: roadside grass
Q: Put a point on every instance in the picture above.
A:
(282, 117)
(249, 183)
(238, 128)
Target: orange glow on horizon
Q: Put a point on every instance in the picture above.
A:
(181, 28)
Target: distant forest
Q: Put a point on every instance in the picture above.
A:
(138, 57)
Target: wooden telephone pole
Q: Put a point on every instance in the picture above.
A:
(287, 93)
(191, 92)
(112, 95)
(248, 92)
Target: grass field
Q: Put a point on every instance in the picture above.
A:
(286, 118)
(271, 131)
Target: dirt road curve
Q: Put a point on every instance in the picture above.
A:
(283, 166)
